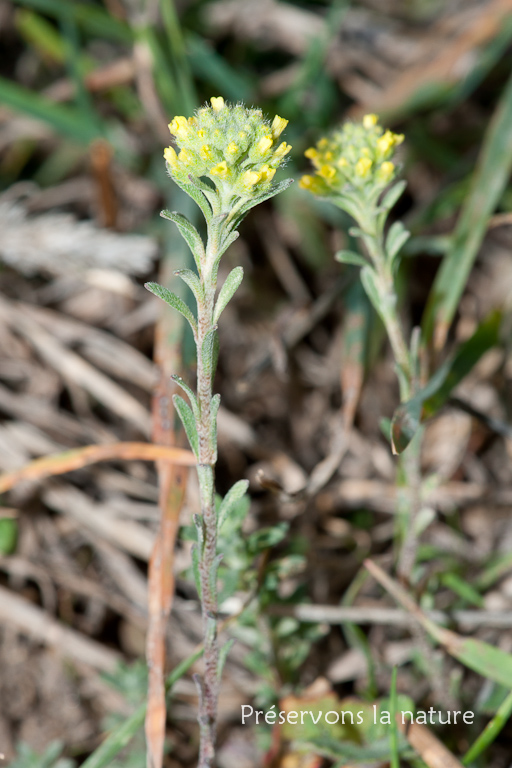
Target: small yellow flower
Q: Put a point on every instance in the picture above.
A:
(250, 178)
(218, 103)
(327, 172)
(312, 183)
(185, 157)
(363, 166)
(306, 182)
(278, 126)
(232, 148)
(171, 157)
(192, 121)
(264, 144)
(311, 153)
(342, 162)
(267, 173)
(221, 170)
(386, 142)
(386, 171)
(179, 126)
(369, 121)
(200, 134)
(281, 151)
(323, 143)
(206, 152)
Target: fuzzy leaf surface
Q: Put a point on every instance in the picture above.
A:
(189, 234)
(189, 423)
(232, 497)
(231, 285)
(173, 301)
(350, 257)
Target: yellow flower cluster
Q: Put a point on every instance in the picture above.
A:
(233, 146)
(359, 155)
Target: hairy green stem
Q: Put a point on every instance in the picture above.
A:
(209, 688)
(388, 309)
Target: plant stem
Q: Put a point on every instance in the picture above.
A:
(388, 307)
(209, 690)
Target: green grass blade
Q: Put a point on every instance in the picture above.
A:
(90, 18)
(63, 119)
(409, 415)
(121, 736)
(488, 661)
(176, 46)
(489, 181)
(393, 735)
(41, 35)
(490, 732)
(207, 65)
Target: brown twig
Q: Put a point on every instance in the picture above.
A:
(77, 458)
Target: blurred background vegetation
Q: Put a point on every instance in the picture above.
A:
(86, 92)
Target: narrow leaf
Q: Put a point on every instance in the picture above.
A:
(66, 120)
(483, 658)
(189, 423)
(210, 352)
(433, 396)
(223, 655)
(232, 497)
(195, 193)
(257, 200)
(226, 242)
(193, 282)
(227, 291)
(349, 257)
(489, 180)
(396, 239)
(368, 278)
(191, 396)
(214, 408)
(173, 301)
(189, 234)
(392, 195)
(490, 732)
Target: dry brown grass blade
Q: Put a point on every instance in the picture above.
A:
(67, 461)
(428, 747)
(101, 154)
(172, 488)
(440, 64)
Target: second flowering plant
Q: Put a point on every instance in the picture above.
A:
(225, 159)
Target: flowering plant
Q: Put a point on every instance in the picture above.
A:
(227, 159)
(355, 169)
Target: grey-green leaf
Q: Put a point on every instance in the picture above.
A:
(396, 239)
(173, 301)
(232, 497)
(194, 191)
(392, 195)
(214, 410)
(227, 291)
(189, 423)
(210, 352)
(191, 396)
(349, 257)
(193, 282)
(189, 234)
(368, 278)
(223, 654)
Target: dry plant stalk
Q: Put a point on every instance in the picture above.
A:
(227, 160)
